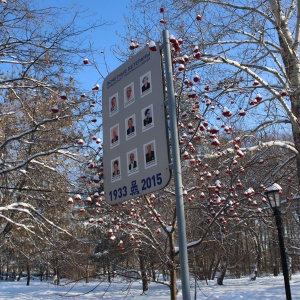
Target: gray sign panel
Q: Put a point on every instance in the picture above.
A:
(135, 146)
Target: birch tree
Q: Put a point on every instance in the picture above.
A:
(49, 128)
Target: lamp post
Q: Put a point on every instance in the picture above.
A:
(272, 193)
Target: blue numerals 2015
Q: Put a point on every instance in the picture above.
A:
(151, 181)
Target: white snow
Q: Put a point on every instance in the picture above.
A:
(266, 288)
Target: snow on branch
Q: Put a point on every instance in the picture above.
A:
(259, 146)
(69, 154)
(16, 223)
(29, 159)
(42, 164)
(26, 132)
(7, 113)
(29, 210)
(255, 76)
(266, 124)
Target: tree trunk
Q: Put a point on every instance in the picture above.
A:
(296, 135)
(254, 273)
(210, 269)
(153, 271)
(275, 269)
(290, 263)
(290, 58)
(87, 278)
(28, 273)
(215, 269)
(172, 268)
(7, 269)
(56, 279)
(58, 276)
(257, 264)
(195, 288)
(20, 275)
(13, 275)
(222, 272)
(143, 271)
(108, 273)
(173, 284)
(275, 260)
(47, 273)
(41, 273)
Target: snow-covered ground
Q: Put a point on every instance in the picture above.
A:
(266, 288)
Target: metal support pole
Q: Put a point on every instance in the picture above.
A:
(177, 171)
(285, 271)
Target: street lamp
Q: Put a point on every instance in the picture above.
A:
(272, 193)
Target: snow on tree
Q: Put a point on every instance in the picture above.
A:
(44, 113)
(234, 98)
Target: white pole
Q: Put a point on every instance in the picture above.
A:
(184, 267)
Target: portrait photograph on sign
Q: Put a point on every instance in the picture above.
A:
(113, 104)
(115, 169)
(145, 84)
(129, 94)
(147, 118)
(130, 127)
(114, 136)
(150, 154)
(132, 162)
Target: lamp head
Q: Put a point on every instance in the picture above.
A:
(273, 194)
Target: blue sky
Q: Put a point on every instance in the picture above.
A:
(103, 37)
